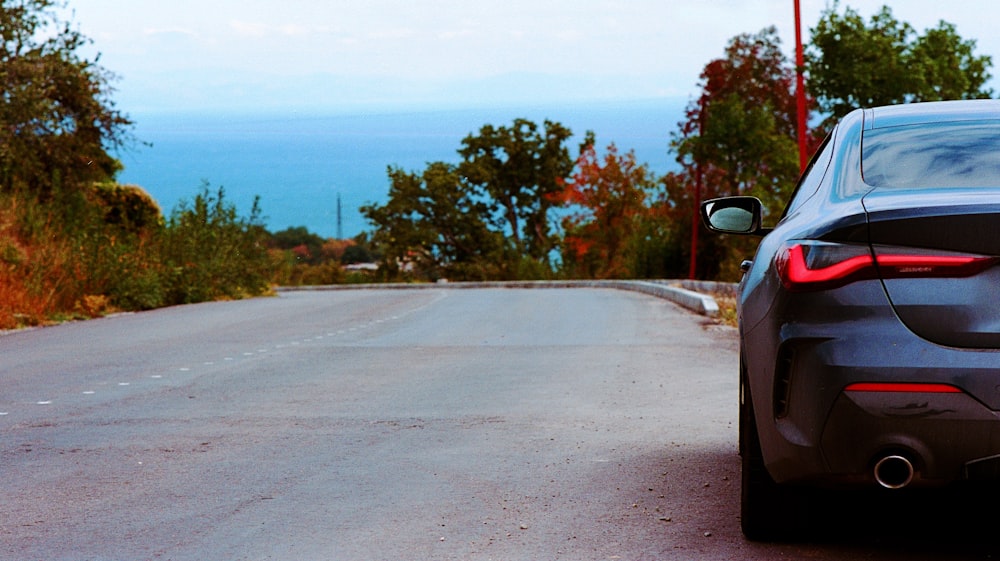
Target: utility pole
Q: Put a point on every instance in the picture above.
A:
(340, 220)
(800, 91)
(696, 216)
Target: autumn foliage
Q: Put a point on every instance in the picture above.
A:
(609, 197)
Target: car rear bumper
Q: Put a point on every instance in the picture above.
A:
(813, 431)
(946, 436)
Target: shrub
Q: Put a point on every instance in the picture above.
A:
(209, 252)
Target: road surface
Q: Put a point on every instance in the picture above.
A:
(386, 425)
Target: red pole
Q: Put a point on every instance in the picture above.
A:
(696, 216)
(695, 219)
(800, 91)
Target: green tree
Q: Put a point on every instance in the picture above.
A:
(435, 225)
(57, 119)
(948, 67)
(516, 168)
(854, 64)
(485, 218)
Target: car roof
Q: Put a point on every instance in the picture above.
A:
(932, 112)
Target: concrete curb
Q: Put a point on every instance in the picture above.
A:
(695, 301)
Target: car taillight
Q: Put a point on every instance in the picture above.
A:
(901, 387)
(810, 265)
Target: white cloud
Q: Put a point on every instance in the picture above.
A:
(393, 33)
(154, 31)
(259, 30)
(458, 34)
(249, 29)
(294, 30)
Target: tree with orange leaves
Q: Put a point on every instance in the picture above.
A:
(609, 196)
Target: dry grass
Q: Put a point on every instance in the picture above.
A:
(36, 277)
(727, 309)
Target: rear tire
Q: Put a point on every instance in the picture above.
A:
(768, 511)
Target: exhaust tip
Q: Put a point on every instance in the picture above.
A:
(894, 472)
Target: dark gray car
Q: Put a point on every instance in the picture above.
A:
(870, 316)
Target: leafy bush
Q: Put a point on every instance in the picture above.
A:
(209, 252)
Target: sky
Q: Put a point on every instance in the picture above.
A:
(348, 55)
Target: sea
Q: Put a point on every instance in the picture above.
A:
(316, 169)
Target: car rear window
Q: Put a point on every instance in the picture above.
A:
(954, 154)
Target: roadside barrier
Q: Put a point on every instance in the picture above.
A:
(688, 294)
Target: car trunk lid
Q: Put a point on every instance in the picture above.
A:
(936, 252)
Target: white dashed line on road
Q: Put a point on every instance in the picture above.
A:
(260, 351)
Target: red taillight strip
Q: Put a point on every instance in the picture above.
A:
(933, 264)
(901, 387)
(798, 272)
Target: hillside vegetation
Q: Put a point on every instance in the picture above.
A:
(109, 249)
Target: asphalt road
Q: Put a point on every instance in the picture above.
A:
(392, 425)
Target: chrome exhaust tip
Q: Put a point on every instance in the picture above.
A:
(894, 471)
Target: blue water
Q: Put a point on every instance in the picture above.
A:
(299, 164)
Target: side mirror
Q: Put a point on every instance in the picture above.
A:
(733, 215)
